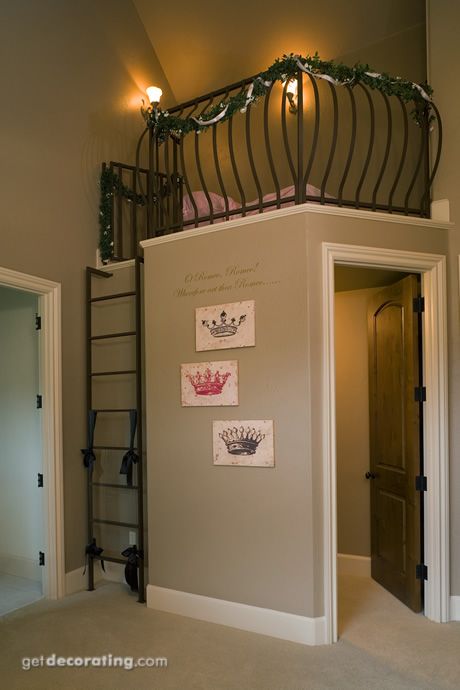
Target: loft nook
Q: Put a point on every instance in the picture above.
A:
(230, 341)
(303, 131)
(350, 151)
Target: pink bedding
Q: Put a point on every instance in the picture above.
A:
(218, 203)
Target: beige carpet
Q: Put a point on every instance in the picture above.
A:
(382, 646)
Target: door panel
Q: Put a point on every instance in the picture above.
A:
(394, 441)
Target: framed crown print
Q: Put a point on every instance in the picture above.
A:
(247, 443)
(209, 383)
(223, 326)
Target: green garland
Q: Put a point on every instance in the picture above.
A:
(283, 69)
(110, 184)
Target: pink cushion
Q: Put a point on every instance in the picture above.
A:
(218, 203)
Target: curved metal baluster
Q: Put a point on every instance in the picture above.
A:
(220, 179)
(165, 199)
(403, 155)
(234, 168)
(314, 142)
(251, 157)
(199, 168)
(184, 173)
(157, 182)
(138, 166)
(371, 145)
(417, 167)
(218, 170)
(352, 145)
(152, 194)
(142, 193)
(333, 144)
(426, 195)
(387, 151)
(300, 193)
(201, 176)
(269, 149)
(285, 135)
(134, 238)
(176, 186)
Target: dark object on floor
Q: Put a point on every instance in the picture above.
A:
(133, 555)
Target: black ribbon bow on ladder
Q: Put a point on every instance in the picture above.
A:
(130, 458)
(133, 554)
(89, 457)
(91, 551)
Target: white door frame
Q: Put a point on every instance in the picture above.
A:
(432, 268)
(49, 300)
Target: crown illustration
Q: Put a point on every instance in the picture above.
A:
(208, 383)
(241, 441)
(224, 328)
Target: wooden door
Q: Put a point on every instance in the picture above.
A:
(395, 423)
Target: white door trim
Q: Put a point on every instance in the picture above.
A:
(49, 294)
(432, 268)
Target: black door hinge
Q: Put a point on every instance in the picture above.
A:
(419, 305)
(420, 483)
(420, 394)
(421, 572)
(39, 402)
(38, 322)
(40, 480)
(41, 558)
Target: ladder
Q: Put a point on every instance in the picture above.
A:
(129, 454)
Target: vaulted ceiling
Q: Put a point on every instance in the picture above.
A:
(207, 44)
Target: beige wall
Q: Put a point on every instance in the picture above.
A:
(71, 85)
(236, 533)
(253, 536)
(443, 66)
(352, 422)
(200, 51)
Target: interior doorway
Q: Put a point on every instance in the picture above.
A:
(431, 269)
(379, 431)
(21, 461)
(31, 454)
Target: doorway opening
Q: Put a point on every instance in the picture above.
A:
(431, 269)
(379, 431)
(21, 462)
(32, 541)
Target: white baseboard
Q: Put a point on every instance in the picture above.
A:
(18, 566)
(286, 626)
(347, 564)
(455, 607)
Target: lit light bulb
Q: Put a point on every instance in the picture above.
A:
(154, 94)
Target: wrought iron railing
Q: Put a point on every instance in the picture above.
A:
(345, 147)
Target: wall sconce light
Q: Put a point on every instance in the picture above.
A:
(291, 93)
(154, 94)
